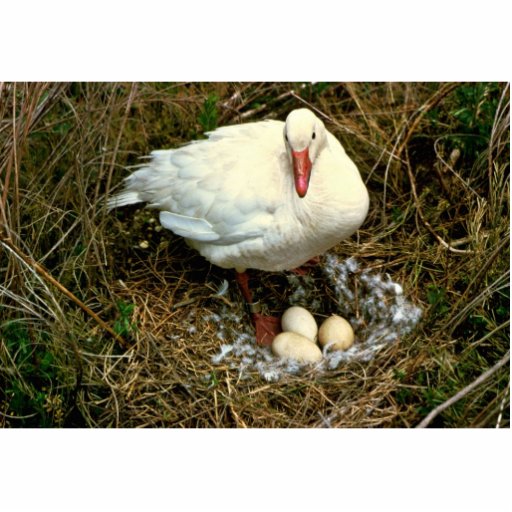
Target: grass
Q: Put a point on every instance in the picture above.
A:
(435, 158)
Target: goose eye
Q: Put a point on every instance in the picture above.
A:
(286, 137)
(314, 135)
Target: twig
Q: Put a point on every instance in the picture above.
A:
(429, 105)
(128, 106)
(500, 283)
(502, 407)
(256, 110)
(445, 244)
(490, 334)
(449, 166)
(386, 174)
(483, 270)
(45, 275)
(239, 421)
(463, 392)
(497, 116)
(18, 417)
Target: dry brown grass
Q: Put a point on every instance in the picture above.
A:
(439, 224)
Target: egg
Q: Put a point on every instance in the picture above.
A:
(291, 345)
(299, 321)
(336, 331)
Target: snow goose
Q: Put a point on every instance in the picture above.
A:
(267, 195)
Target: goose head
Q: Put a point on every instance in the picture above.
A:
(305, 137)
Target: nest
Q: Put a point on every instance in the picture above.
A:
(374, 305)
(195, 361)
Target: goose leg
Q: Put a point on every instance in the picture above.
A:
(305, 269)
(267, 327)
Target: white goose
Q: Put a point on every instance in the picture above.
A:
(266, 195)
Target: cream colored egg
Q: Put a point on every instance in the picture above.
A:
(294, 346)
(300, 321)
(337, 332)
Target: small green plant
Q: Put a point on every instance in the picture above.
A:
(214, 380)
(474, 109)
(397, 215)
(29, 395)
(403, 395)
(436, 297)
(209, 117)
(312, 90)
(123, 325)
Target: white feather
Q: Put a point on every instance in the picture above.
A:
(188, 227)
(123, 199)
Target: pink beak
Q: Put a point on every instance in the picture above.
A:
(301, 171)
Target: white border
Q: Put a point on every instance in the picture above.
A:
(256, 470)
(368, 40)
(235, 470)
